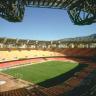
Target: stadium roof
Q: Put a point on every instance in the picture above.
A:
(81, 12)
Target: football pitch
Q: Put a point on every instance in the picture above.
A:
(40, 72)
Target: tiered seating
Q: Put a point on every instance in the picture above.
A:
(80, 84)
(78, 52)
(56, 90)
(9, 55)
(17, 92)
(21, 54)
(86, 88)
(70, 84)
(23, 92)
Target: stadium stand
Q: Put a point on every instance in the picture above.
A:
(82, 82)
(78, 52)
(17, 54)
(23, 54)
(86, 87)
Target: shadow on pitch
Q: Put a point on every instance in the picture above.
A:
(61, 78)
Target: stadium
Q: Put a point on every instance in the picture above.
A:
(58, 67)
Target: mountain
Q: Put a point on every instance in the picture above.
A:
(83, 38)
(93, 36)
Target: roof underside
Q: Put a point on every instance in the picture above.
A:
(81, 12)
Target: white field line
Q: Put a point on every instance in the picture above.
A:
(21, 65)
(28, 64)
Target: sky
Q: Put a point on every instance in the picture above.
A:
(44, 24)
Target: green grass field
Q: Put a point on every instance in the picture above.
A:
(42, 71)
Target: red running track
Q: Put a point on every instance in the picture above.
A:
(33, 60)
(19, 62)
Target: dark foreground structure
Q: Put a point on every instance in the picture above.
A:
(81, 12)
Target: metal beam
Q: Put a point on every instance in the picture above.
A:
(13, 10)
